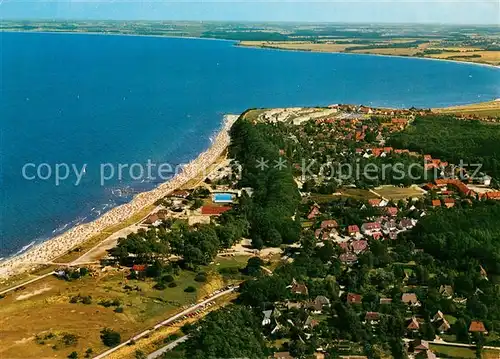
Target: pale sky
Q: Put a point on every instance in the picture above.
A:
(367, 11)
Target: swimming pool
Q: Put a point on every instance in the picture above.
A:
(223, 197)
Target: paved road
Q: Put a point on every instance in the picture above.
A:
(27, 282)
(168, 347)
(166, 322)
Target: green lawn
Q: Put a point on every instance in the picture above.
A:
(453, 352)
(230, 262)
(451, 319)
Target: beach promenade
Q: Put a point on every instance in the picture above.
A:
(57, 246)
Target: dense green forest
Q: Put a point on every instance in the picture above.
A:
(452, 140)
(276, 197)
(230, 333)
(462, 238)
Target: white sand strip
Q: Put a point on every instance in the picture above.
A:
(57, 246)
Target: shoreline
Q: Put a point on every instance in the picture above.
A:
(366, 54)
(237, 43)
(117, 34)
(57, 246)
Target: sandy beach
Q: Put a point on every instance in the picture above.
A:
(57, 246)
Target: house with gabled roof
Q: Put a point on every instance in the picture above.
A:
(384, 301)
(214, 210)
(390, 225)
(293, 305)
(413, 324)
(410, 299)
(310, 323)
(322, 300)
(441, 323)
(137, 268)
(353, 298)
(374, 202)
(370, 228)
(353, 230)
(315, 307)
(483, 273)
(418, 345)
(359, 246)
(449, 202)
(391, 211)
(153, 220)
(438, 316)
(348, 258)
(372, 318)
(180, 194)
(406, 224)
(267, 317)
(329, 224)
(443, 326)
(299, 288)
(446, 291)
(477, 326)
(314, 212)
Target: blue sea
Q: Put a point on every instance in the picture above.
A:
(92, 99)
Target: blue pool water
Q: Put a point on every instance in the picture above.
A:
(223, 197)
(90, 99)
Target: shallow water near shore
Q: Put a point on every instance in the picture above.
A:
(85, 99)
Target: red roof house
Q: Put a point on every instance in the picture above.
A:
(353, 298)
(477, 326)
(410, 299)
(180, 194)
(139, 267)
(331, 223)
(413, 324)
(374, 202)
(449, 202)
(392, 211)
(352, 230)
(214, 210)
(313, 213)
(372, 316)
(359, 246)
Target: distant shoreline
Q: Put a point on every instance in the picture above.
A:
(237, 43)
(117, 34)
(366, 54)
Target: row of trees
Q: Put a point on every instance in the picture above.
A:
(197, 246)
(276, 197)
